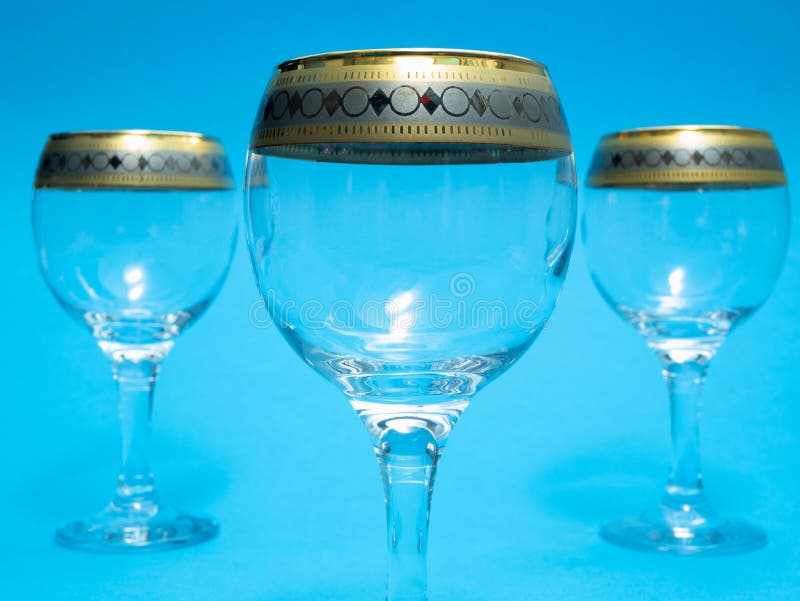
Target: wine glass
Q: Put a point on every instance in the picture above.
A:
(685, 232)
(418, 246)
(135, 232)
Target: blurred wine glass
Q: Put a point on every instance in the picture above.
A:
(686, 230)
(135, 231)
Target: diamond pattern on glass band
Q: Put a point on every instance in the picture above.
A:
(384, 111)
(133, 159)
(688, 157)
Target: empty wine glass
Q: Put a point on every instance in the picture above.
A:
(417, 250)
(135, 232)
(685, 236)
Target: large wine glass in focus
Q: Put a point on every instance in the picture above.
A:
(410, 216)
(686, 230)
(135, 231)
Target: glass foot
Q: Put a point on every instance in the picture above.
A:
(684, 531)
(115, 530)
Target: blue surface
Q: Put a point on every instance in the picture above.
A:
(574, 434)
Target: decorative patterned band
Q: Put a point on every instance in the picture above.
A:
(411, 106)
(687, 157)
(133, 159)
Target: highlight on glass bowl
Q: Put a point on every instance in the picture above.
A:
(135, 231)
(685, 230)
(410, 216)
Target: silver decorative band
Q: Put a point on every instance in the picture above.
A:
(689, 157)
(140, 169)
(401, 121)
(133, 159)
(465, 104)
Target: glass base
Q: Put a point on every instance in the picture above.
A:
(684, 531)
(115, 530)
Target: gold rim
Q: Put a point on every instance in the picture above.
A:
(405, 56)
(411, 104)
(134, 139)
(133, 159)
(109, 133)
(668, 129)
(690, 134)
(687, 157)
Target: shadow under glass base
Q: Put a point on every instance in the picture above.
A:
(115, 530)
(688, 530)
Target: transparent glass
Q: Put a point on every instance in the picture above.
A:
(137, 268)
(410, 287)
(685, 268)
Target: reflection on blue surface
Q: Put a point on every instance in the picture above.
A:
(248, 433)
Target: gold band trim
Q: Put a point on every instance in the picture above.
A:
(131, 140)
(134, 159)
(433, 98)
(687, 156)
(691, 137)
(380, 133)
(442, 74)
(679, 177)
(675, 133)
(414, 57)
(162, 182)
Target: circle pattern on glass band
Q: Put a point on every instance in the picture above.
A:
(354, 102)
(404, 100)
(312, 103)
(693, 166)
(410, 119)
(161, 168)
(682, 157)
(687, 157)
(455, 101)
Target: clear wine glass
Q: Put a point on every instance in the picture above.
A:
(419, 247)
(686, 230)
(135, 231)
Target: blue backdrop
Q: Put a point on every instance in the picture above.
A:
(574, 434)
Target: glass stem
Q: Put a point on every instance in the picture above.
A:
(135, 371)
(408, 463)
(685, 380)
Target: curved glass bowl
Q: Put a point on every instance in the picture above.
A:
(410, 274)
(686, 265)
(406, 284)
(134, 266)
